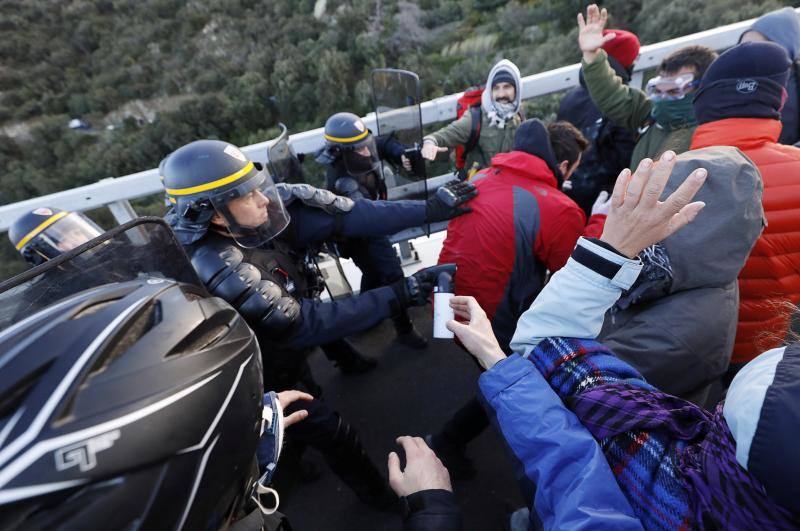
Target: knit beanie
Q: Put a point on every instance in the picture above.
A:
(747, 81)
(624, 47)
(762, 410)
(504, 76)
(532, 138)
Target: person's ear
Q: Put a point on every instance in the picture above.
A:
(216, 219)
(563, 167)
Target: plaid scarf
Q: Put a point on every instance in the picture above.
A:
(721, 494)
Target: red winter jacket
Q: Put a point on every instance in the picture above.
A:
(521, 226)
(771, 275)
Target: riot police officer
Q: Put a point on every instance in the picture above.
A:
(353, 158)
(45, 233)
(246, 239)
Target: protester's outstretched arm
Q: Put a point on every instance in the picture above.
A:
(626, 106)
(452, 135)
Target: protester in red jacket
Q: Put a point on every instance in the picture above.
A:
(738, 104)
(521, 224)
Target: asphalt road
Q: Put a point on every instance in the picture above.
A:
(409, 393)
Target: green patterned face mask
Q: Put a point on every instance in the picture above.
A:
(674, 114)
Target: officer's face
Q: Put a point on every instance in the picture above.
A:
(250, 210)
(504, 92)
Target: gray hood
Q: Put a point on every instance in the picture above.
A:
(781, 27)
(678, 323)
(712, 251)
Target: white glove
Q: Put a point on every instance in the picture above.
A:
(602, 205)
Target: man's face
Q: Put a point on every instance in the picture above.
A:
(670, 92)
(72, 239)
(504, 92)
(250, 210)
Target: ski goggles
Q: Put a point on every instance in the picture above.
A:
(671, 88)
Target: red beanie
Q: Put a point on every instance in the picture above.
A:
(624, 47)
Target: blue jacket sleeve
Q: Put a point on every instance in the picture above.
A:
(389, 148)
(323, 322)
(575, 488)
(367, 218)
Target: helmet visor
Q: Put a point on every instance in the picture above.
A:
(66, 234)
(252, 212)
(361, 158)
(670, 88)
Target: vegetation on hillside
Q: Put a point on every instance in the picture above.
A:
(151, 75)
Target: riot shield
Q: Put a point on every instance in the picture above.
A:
(142, 248)
(396, 96)
(282, 162)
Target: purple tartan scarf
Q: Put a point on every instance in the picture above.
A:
(723, 494)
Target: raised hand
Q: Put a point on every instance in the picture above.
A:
(430, 150)
(637, 218)
(590, 35)
(477, 335)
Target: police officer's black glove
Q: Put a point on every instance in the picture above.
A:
(448, 201)
(416, 289)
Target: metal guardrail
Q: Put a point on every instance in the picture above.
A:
(115, 193)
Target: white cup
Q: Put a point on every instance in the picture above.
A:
(442, 312)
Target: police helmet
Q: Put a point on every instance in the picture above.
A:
(134, 405)
(348, 139)
(45, 233)
(209, 177)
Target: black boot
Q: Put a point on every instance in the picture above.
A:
(347, 459)
(347, 357)
(407, 334)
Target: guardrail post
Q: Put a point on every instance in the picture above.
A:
(122, 211)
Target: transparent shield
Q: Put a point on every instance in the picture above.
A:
(396, 96)
(142, 248)
(283, 164)
(253, 212)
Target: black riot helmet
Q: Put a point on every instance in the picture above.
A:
(134, 405)
(209, 177)
(45, 233)
(348, 139)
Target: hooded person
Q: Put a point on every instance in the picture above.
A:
(500, 116)
(610, 145)
(676, 325)
(739, 104)
(782, 27)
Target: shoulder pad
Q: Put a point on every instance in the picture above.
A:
(262, 302)
(319, 198)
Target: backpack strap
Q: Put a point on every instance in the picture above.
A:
(475, 129)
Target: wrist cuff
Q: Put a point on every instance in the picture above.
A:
(606, 261)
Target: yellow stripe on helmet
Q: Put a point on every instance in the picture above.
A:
(213, 184)
(43, 225)
(347, 140)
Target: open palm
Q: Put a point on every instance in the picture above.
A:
(590, 36)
